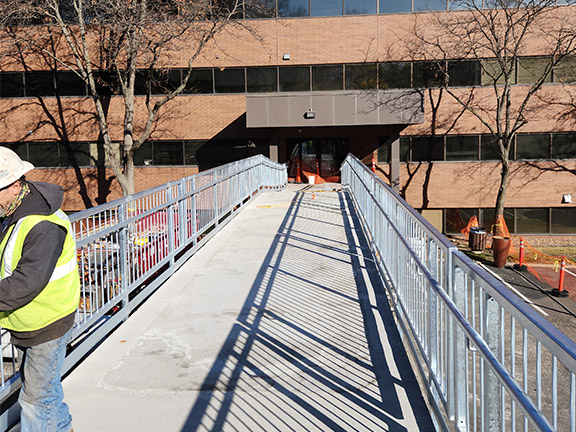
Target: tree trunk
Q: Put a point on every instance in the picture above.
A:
(501, 197)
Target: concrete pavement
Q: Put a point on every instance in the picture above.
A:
(278, 323)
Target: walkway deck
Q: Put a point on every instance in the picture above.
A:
(279, 323)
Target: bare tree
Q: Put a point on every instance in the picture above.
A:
(492, 39)
(113, 46)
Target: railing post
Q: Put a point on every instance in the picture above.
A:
(491, 394)
(433, 352)
(170, 224)
(193, 213)
(123, 252)
(181, 213)
(216, 213)
(458, 360)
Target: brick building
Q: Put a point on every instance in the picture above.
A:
(319, 80)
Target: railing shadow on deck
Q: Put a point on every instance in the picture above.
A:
(294, 345)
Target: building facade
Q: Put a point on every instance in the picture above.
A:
(318, 80)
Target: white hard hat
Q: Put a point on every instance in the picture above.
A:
(11, 167)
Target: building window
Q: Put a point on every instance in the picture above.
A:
(461, 147)
(360, 76)
(39, 83)
(563, 146)
(427, 149)
(565, 70)
(294, 79)
(463, 73)
(43, 154)
(325, 8)
(532, 220)
(200, 81)
(486, 219)
(429, 5)
(327, 77)
(11, 84)
(75, 154)
(563, 220)
(167, 153)
(428, 74)
(229, 81)
(190, 151)
(533, 146)
(531, 70)
(395, 6)
(143, 156)
(293, 8)
(405, 144)
(489, 148)
(394, 75)
(457, 219)
(70, 84)
(495, 72)
(165, 81)
(261, 80)
(360, 7)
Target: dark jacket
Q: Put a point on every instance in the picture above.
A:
(41, 250)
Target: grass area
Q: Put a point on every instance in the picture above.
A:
(567, 251)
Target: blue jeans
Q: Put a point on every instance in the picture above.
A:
(41, 396)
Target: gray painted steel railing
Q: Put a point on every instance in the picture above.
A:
(129, 247)
(489, 362)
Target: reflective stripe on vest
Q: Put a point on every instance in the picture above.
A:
(60, 296)
(59, 271)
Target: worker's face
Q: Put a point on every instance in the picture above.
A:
(7, 195)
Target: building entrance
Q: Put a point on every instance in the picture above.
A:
(321, 156)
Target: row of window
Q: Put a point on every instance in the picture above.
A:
(321, 8)
(364, 76)
(153, 153)
(480, 147)
(554, 220)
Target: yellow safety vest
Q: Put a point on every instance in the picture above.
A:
(61, 296)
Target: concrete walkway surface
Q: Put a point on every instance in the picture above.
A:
(279, 323)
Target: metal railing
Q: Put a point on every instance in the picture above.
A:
(489, 362)
(127, 248)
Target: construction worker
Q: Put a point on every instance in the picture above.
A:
(39, 290)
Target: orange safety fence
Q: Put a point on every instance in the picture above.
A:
(546, 268)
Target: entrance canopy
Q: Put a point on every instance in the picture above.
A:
(335, 108)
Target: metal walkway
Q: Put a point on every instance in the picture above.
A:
(279, 323)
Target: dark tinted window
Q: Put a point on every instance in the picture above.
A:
(294, 79)
(356, 7)
(426, 149)
(489, 149)
(75, 154)
(361, 76)
(260, 9)
(39, 83)
(565, 70)
(394, 75)
(564, 220)
(564, 146)
(11, 84)
(532, 220)
(261, 80)
(143, 156)
(200, 81)
(405, 145)
(168, 153)
(327, 78)
(532, 146)
(70, 84)
(293, 8)
(165, 81)
(325, 7)
(229, 81)
(428, 74)
(462, 147)
(384, 150)
(487, 218)
(106, 83)
(21, 149)
(190, 150)
(463, 73)
(43, 154)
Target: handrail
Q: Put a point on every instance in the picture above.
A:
(476, 343)
(128, 247)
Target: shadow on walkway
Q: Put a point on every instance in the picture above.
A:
(315, 346)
